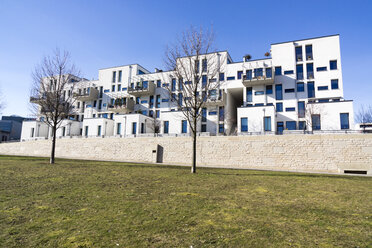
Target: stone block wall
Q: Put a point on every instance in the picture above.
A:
(317, 153)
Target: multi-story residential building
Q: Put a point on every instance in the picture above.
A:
(299, 88)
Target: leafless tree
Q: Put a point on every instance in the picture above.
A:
(52, 91)
(194, 77)
(364, 115)
(312, 109)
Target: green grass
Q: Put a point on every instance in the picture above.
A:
(101, 204)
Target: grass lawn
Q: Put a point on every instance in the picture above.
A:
(107, 204)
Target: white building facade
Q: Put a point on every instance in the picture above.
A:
(299, 87)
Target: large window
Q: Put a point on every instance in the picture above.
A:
(278, 71)
(248, 74)
(240, 73)
(221, 113)
(204, 128)
(301, 125)
(180, 99)
(204, 65)
(86, 130)
(166, 126)
(258, 72)
(222, 76)
(334, 84)
(134, 127)
(300, 72)
(119, 79)
(279, 107)
(113, 88)
(249, 94)
(279, 127)
(298, 53)
(244, 124)
(158, 83)
(180, 84)
(221, 128)
(204, 81)
(173, 84)
(269, 89)
(184, 126)
(333, 65)
(344, 119)
(204, 114)
(310, 70)
(290, 125)
(158, 101)
(269, 72)
(113, 76)
(309, 52)
(310, 90)
(315, 122)
(278, 92)
(301, 109)
(300, 87)
(267, 123)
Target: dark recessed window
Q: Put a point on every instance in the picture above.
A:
(257, 93)
(240, 73)
(298, 53)
(279, 107)
(278, 70)
(322, 87)
(278, 92)
(290, 125)
(321, 68)
(334, 84)
(289, 90)
(333, 65)
(288, 72)
(230, 78)
(269, 89)
(290, 109)
(300, 87)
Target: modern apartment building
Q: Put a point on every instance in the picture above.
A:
(299, 87)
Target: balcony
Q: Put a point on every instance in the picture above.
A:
(123, 107)
(216, 99)
(89, 94)
(36, 99)
(142, 89)
(262, 79)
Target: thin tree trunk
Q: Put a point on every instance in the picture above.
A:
(193, 168)
(52, 155)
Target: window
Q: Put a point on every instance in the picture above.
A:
(151, 113)
(290, 125)
(279, 127)
(310, 70)
(86, 130)
(269, 89)
(269, 72)
(279, 107)
(158, 83)
(301, 109)
(244, 124)
(300, 87)
(113, 76)
(257, 93)
(95, 104)
(119, 79)
(180, 99)
(134, 127)
(239, 75)
(221, 113)
(221, 128)
(259, 104)
(278, 70)
(204, 81)
(118, 128)
(334, 84)
(145, 84)
(140, 72)
(298, 51)
(309, 52)
(289, 90)
(300, 72)
(222, 76)
(142, 127)
(333, 65)
(197, 66)
(99, 130)
(119, 87)
(288, 72)
(100, 92)
(249, 94)
(180, 84)
(278, 92)
(32, 132)
(258, 72)
(248, 74)
(291, 109)
(344, 119)
(230, 78)
(321, 68)
(151, 104)
(204, 127)
(301, 125)
(138, 100)
(267, 123)
(322, 87)
(315, 122)
(184, 126)
(204, 114)
(310, 90)
(212, 80)
(158, 101)
(113, 88)
(166, 126)
(100, 104)
(173, 84)
(204, 65)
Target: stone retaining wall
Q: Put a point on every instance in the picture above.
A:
(317, 153)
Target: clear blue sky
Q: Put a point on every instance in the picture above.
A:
(108, 33)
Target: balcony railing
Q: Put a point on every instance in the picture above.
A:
(89, 94)
(140, 89)
(266, 77)
(215, 99)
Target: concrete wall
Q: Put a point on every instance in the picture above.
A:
(322, 153)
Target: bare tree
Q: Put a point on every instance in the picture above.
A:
(312, 109)
(364, 115)
(194, 77)
(52, 91)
